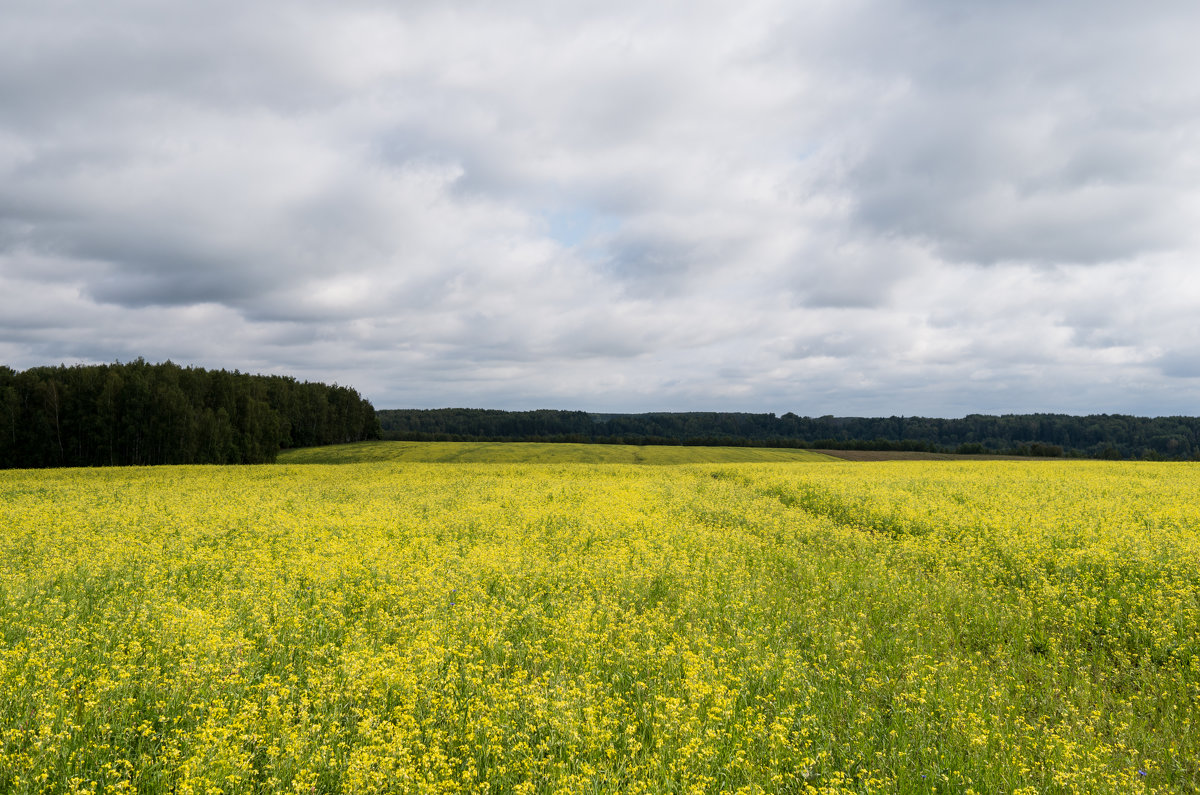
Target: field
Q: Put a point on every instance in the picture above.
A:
(536, 452)
(908, 626)
(904, 455)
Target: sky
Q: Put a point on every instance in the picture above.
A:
(849, 207)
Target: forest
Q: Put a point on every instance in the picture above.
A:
(1052, 435)
(140, 413)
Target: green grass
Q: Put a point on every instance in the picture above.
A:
(537, 452)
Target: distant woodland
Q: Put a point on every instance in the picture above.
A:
(140, 413)
(1094, 436)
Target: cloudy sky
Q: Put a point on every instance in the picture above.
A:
(827, 207)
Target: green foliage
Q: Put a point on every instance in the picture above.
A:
(140, 413)
(1041, 435)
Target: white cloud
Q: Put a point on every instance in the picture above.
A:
(859, 207)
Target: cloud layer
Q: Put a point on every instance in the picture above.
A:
(848, 208)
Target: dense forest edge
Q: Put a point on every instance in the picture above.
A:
(1109, 436)
(139, 413)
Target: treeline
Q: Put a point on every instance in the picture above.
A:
(140, 413)
(1051, 435)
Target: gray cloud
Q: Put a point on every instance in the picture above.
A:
(1030, 133)
(830, 208)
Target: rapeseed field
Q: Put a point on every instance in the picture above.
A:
(520, 627)
(540, 453)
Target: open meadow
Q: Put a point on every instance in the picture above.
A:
(394, 625)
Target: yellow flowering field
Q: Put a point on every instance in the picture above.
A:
(540, 452)
(802, 627)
